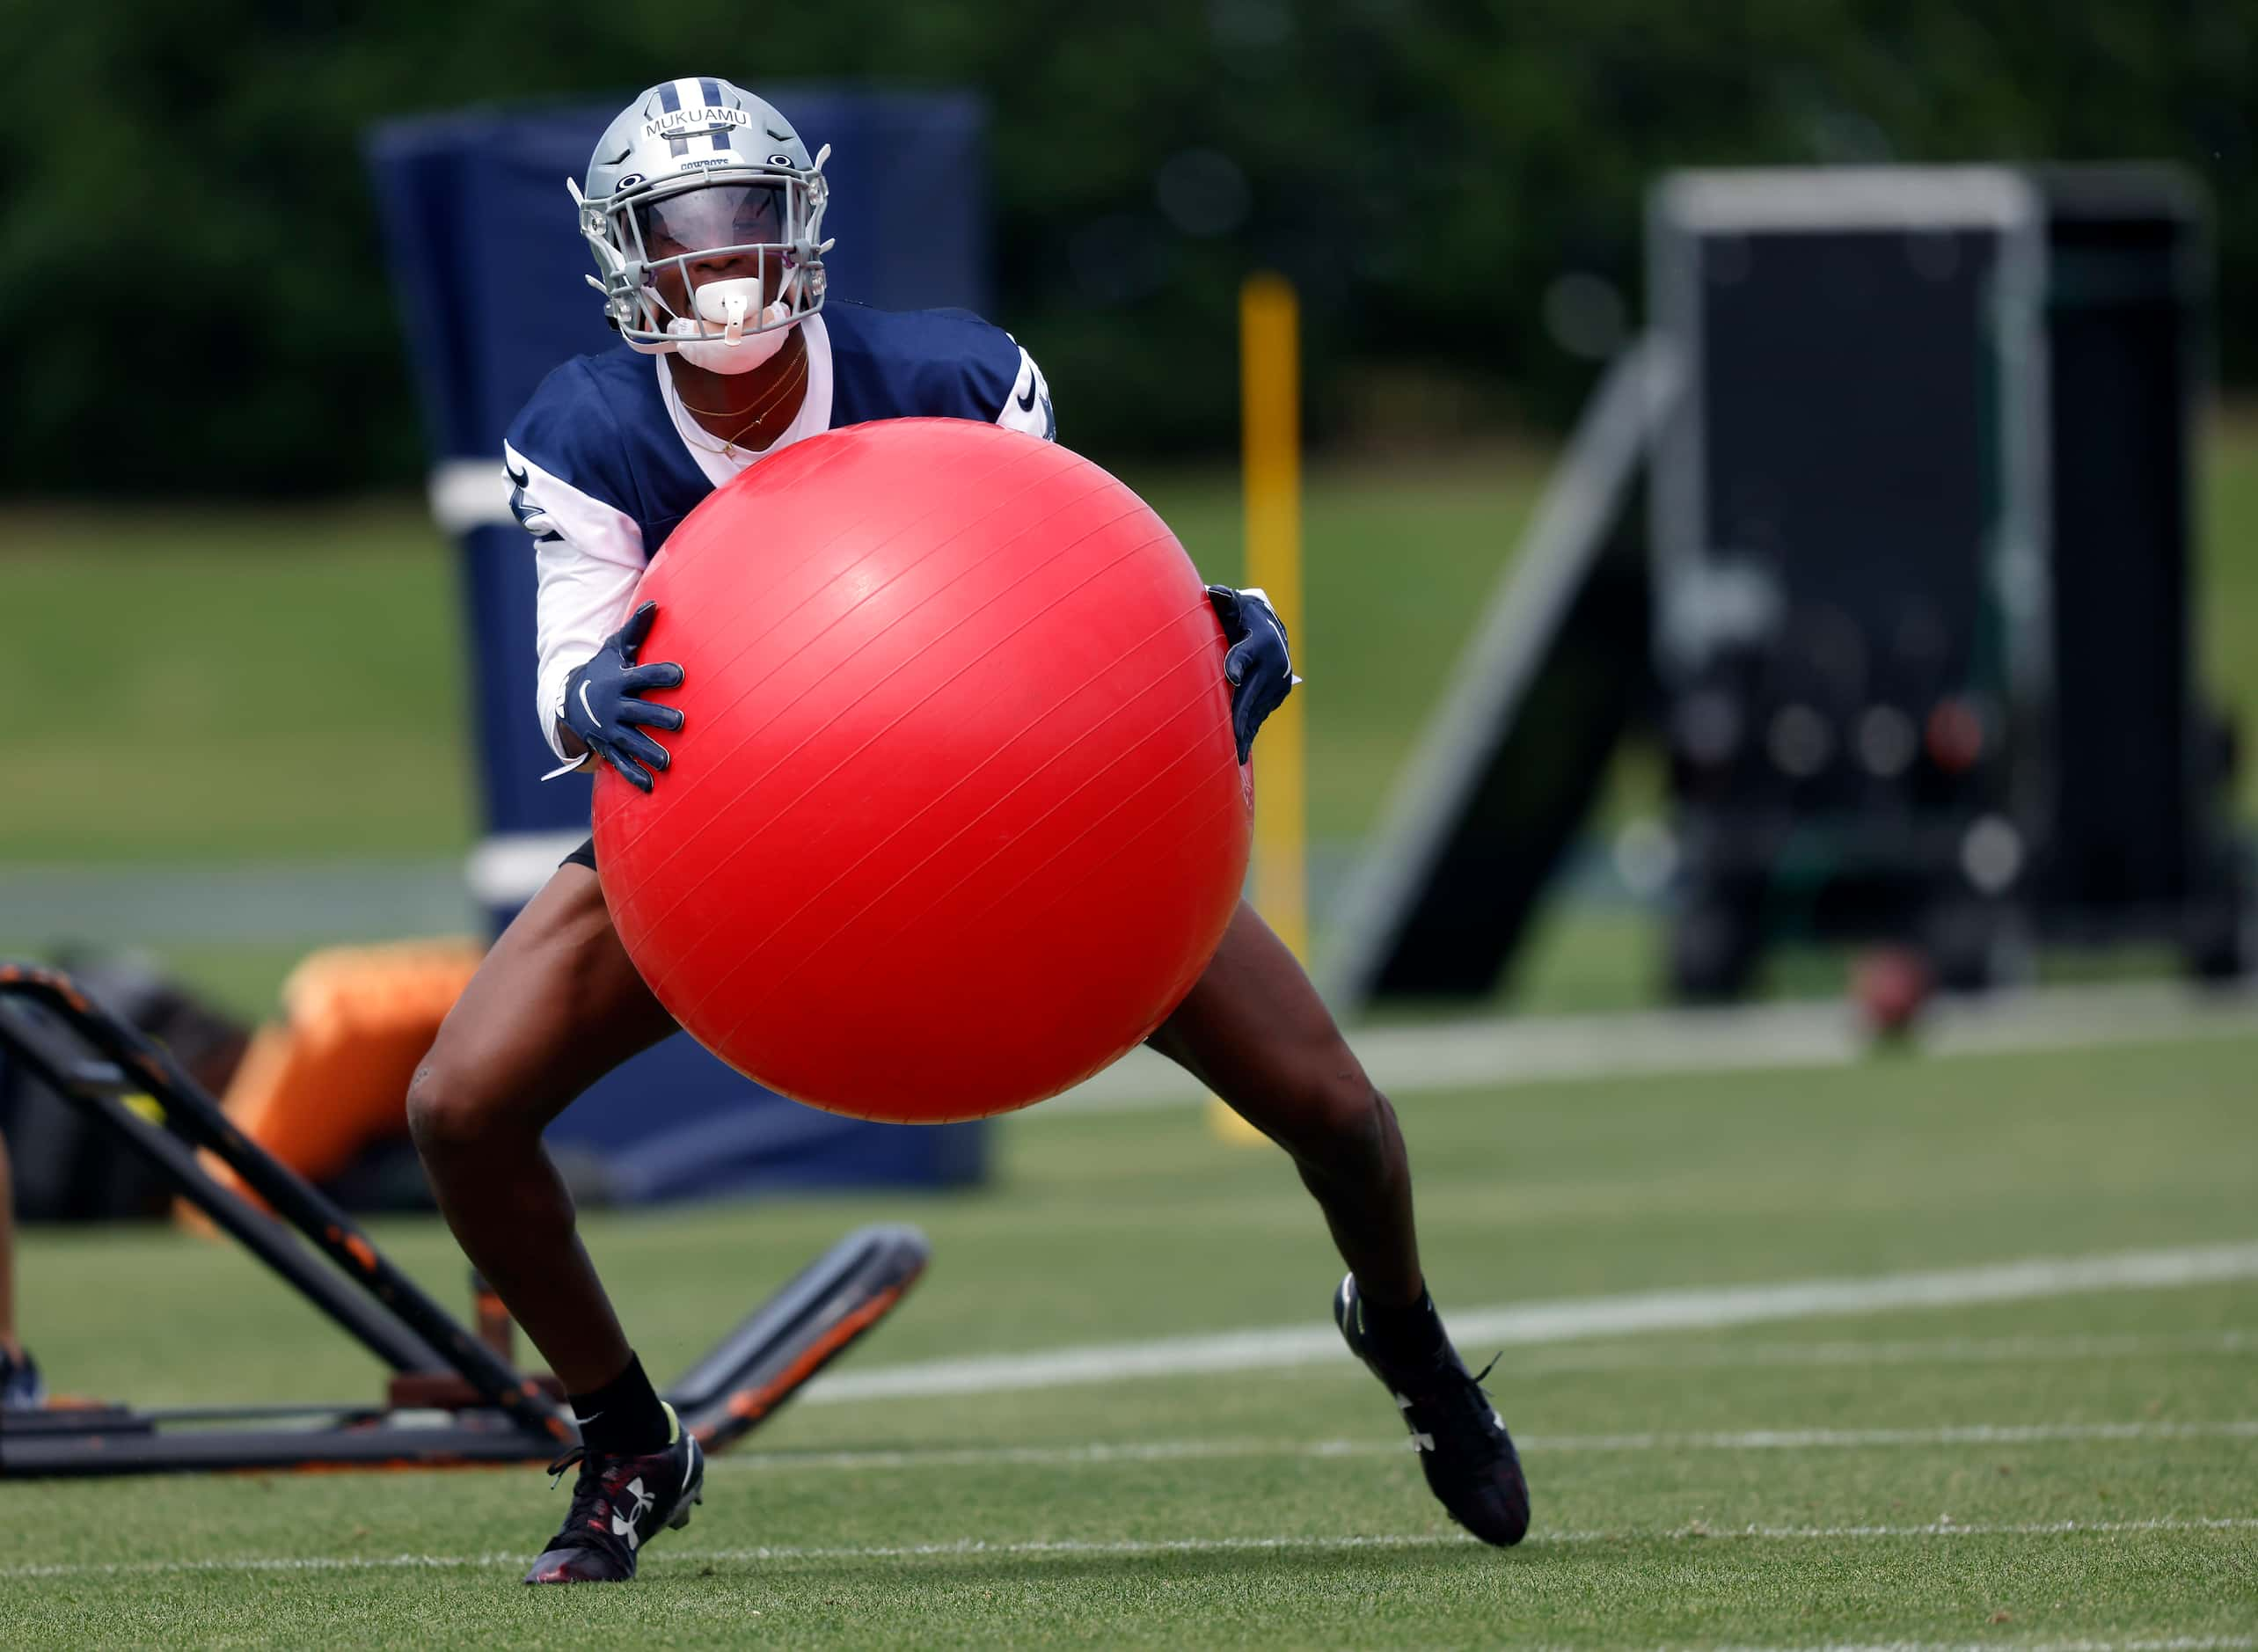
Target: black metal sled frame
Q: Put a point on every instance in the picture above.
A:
(485, 1412)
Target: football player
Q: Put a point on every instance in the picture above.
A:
(704, 213)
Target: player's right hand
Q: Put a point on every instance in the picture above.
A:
(603, 706)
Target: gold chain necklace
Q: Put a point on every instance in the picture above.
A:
(793, 382)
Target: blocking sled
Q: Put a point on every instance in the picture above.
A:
(453, 1398)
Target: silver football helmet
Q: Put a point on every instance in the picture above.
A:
(698, 171)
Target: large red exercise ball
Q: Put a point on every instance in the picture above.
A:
(954, 818)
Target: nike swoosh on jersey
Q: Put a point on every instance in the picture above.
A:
(527, 512)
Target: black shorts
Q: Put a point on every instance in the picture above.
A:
(583, 856)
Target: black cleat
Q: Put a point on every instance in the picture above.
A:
(620, 1504)
(1466, 1454)
(20, 1387)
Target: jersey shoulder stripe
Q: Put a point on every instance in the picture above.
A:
(599, 423)
(916, 363)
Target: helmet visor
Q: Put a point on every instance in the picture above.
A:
(694, 221)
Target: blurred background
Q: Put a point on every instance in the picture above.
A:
(1732, 590)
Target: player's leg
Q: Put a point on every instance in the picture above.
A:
(554, 1006)
(19, 1377)
(1255, 1032)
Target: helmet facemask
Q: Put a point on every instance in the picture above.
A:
(725, 260)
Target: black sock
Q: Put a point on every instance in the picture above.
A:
(1413, 1332)
(624, 1418)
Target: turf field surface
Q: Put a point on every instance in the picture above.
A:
(2072, 1462)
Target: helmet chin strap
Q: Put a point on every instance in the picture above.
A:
(739, 349)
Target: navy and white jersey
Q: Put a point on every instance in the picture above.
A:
(604, 460)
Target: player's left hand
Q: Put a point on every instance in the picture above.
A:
(1260, 667)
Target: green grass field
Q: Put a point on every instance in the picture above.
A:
(2064, 1468)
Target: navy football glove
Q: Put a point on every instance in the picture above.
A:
(602, 703)
(1259, 668)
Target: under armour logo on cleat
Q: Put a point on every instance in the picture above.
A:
(623, 1526)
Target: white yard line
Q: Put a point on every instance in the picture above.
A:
(1694, 1309)
(1101, 1454)
(1971, 1434)
(1672, 1355)
(1952, 1351)
(1494, 1051)
(2171, 1643)
(978, 1548)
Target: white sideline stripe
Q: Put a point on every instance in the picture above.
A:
(1100, 1454)
(1685, 1310)
(2172, 1643)
(975, 1546)
(1495, 1052)
(2002, 1351)
(1958, 1350)
(1970, 1434)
